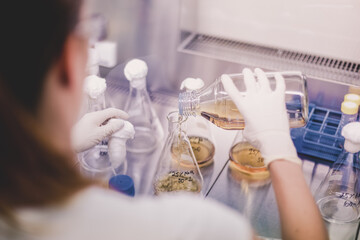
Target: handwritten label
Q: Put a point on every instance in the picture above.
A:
(182, 176)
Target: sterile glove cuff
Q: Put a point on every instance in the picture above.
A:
(269, 160)
(276, 146)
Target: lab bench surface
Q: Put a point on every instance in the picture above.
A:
(254, 200)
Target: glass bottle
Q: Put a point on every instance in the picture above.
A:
(246, 161)
(198, 129)
(214, 104)
(349, 114)
(178, 170)
(148, 130)
(339, 193)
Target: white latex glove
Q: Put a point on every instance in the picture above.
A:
(264, 111)
(117, 143)
(93, 127)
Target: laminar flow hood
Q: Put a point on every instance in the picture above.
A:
(321, 38)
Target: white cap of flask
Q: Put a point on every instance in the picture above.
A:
(135, 71)
(351, 133)
(192, 84)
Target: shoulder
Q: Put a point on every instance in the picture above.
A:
(101, 214)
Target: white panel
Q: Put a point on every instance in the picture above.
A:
(324, 27)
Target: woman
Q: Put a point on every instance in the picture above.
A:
(43, 56)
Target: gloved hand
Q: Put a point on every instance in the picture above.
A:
(93, 127)
(264, 112)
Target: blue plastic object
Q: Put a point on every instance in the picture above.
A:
(319, 137)
(123, 184)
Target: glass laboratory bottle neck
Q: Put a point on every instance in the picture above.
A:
(96, 104)
(175, 123)
(347, 159)
(138, 84)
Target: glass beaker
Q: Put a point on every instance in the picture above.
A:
(247, 160)
(178, 170)
(214, 104)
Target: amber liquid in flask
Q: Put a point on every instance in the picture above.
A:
(177, 181)
(248, 160)
(214, 104)
(178, 169)
(203, 149)
(223, 114)
(226, 115)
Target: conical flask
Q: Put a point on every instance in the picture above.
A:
(95, 163)
(148, 130)
(198, 129)
(246, 161)
(339, 193)
(98, 163)
(178, 170)
(215, 105)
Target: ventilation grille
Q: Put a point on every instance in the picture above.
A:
(270, 58)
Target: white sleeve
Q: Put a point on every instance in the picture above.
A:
(101, 214)
(203, 219)
(170, 217)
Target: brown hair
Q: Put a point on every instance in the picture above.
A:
(32, 172)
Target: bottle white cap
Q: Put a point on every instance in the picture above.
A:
(135, 71)
(351, 133)
(94, 86)
(117, 143)
(192, 84)
(126, 132)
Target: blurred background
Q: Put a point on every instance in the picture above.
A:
(205, 38)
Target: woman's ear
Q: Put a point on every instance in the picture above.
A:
(73, 62)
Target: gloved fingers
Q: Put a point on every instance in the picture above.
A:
(280, 84)
(110, 128)
(263, 81)
(250, 81)
(232, 90)
(100, 117)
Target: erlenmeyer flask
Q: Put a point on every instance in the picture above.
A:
(148, 130)
(94, 163)
(339, 193)
(98, 162)
(247, 161)
(198, 129)
(177, 170)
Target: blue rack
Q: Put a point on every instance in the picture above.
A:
(319, 137)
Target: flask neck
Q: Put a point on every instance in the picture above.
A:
(96, 104)
(138, 83)
(346, 159)
(175, 122)
(189, 102)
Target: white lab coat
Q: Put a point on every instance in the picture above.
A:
(101, 214)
